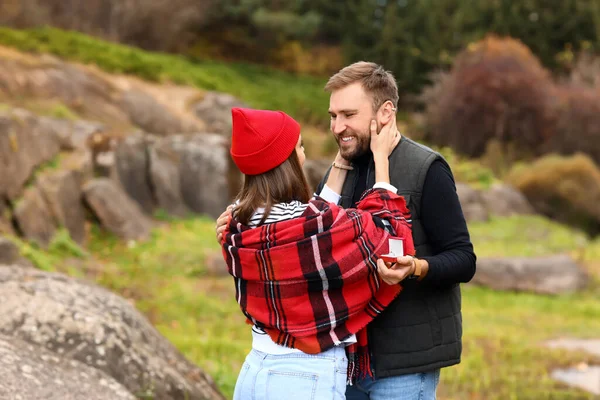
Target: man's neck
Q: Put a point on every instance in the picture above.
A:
(364, 159)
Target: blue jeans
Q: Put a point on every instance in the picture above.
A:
(404, 387)
(296, 376)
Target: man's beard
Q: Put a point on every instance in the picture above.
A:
(363, 146)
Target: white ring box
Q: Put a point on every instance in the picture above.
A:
(396, 249)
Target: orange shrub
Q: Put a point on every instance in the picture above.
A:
(566, 189)
(497, 89)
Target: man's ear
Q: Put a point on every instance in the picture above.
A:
(386, 112)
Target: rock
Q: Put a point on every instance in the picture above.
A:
(204, 174)
(180, 174)
(500, 200)
(315, 171)
(72, 135)
(80, 163)
(505, 200)
(105, 164)
(31, 372)
(62, 192)
(192, 173)
(132, 165)
(215, 111)
(5, 218)
(154, 117)
(9, 253)
(83, 322)
(472, 203)
(591, 346)
(78, 87)
(116, 212)
(34, 218)
(544, 275)
(25, 144)
(584, 377)
(165, 161)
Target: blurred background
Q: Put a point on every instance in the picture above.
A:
(114, 131)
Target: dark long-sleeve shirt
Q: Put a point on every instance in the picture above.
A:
(444, 223)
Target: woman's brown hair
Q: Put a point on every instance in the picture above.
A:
(282, 184)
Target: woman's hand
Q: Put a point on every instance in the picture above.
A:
(222, 223)
(384, 142)
(337, 175)
(340, 160)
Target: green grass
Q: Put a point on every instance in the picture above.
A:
(525, 235)
(62, 111)
(61, 248)
(503, 356)
(301, 96)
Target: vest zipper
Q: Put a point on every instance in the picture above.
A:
(372, 359)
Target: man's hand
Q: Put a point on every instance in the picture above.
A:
(222, 222)
(394, 273)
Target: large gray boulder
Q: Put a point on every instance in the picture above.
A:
(472, 203)
(78, 87)
(192, 173)
(500, 200)
(62, 192)
(204, 173)
(132, 169)
(115, 210)
(31, 372)
(73, 135)
(153, 116)
(215, 110)
(25, 144)
(5, 218)
(505, 200)
(34, 217)
(79, 321)
(545, 275)
(9, 253)
(165, 162)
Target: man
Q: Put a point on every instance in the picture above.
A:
(421, 331)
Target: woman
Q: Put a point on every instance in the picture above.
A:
(306, 270)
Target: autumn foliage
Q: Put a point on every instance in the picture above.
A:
(497, 89)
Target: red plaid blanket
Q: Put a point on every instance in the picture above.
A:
(311, 282)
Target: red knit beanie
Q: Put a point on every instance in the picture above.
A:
(261, 139)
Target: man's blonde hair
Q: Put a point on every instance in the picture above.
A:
(374, 79)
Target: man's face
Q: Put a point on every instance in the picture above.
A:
(351, 113)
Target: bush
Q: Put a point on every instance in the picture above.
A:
(566, 189)
(578, 127)
(497, 89)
